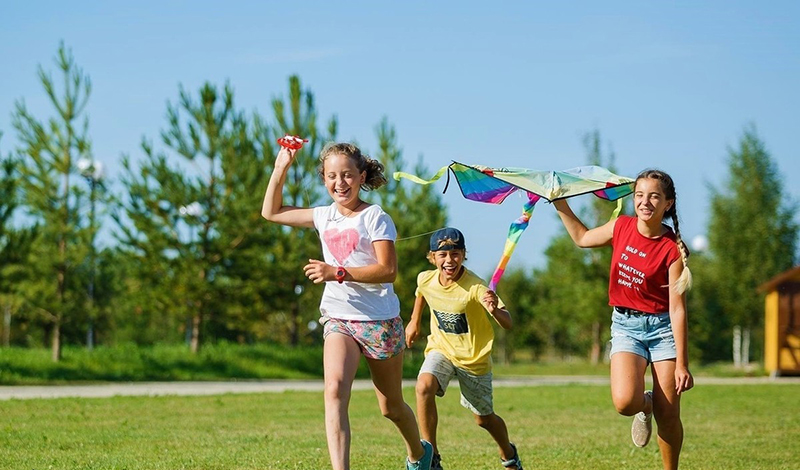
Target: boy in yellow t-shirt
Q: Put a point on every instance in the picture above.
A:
(460, 343)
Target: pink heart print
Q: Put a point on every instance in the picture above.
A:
(341, 244)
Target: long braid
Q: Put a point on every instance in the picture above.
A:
(684, 282)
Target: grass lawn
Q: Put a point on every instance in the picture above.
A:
(557, 427)
(32, 366)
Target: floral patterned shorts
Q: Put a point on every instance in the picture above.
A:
(379, 339)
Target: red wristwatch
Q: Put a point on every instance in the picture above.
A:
(340, 274)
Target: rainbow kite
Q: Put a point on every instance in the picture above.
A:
(494, 185)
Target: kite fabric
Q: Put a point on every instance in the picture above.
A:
(493, 185)
(514, 232)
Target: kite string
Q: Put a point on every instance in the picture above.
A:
(397, 175)
(416, 236)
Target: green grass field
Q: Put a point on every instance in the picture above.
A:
(555, 427)
(33, 366)
(24, 366)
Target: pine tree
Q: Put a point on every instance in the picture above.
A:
(575, 281)
(14, 245)
(189, 212)
(297, 115)
(193, 220)
(416, 210)
(710, 325)
(752, 234)
(598, 260)
(532, 325)
(50, 152)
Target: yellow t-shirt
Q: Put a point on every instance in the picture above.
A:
(461, 328)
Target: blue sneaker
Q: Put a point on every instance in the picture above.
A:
(425, 462)
(513, 461)
(436, 462)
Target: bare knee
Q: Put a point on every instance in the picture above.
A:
(336, 391)
(627, 406)
(426, 387)
(485, 421)
(394, 410)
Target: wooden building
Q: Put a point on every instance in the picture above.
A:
(782, 323)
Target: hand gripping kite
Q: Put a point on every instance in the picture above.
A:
(493, 185)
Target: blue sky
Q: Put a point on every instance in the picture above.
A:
(668, 84)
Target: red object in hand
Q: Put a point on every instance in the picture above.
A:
(293, 142)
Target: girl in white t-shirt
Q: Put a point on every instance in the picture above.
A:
(360, 311)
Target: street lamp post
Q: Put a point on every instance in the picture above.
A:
(192, 210)
(92, 171)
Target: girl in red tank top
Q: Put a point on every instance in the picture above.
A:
(648, 280)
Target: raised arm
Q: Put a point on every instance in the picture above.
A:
(273, 208)
(582, 236)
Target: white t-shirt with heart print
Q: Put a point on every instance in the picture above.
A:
(347, 242)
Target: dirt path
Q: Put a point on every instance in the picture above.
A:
(276, 386)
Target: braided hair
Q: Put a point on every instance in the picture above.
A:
(684, 282)
(375, 178)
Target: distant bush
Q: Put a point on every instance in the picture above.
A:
(131, 363)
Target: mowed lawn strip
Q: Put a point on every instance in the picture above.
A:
(555, 427)
(226, 361)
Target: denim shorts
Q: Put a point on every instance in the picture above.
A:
(649, 336)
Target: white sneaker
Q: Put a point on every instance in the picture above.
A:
(642, 427)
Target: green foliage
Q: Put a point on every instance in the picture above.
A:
(231, 361)
(416, 211)
(203, 254)
(571, 291)
(709, 325)
(15, 246)
(731, 427)
(297, 302)
(752, 233)
(752, 237)
(531, 324)
(9, 198)
(174, 212)
(50, 152)
(196, 262)
(162, 362)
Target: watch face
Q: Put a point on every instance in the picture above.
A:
(340, 272)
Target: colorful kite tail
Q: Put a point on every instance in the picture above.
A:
(514, 232)
(416, 179)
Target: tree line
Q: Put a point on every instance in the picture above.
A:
(191, 260)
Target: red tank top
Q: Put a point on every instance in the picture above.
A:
(640, 268)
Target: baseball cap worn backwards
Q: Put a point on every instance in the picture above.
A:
(448, 238)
